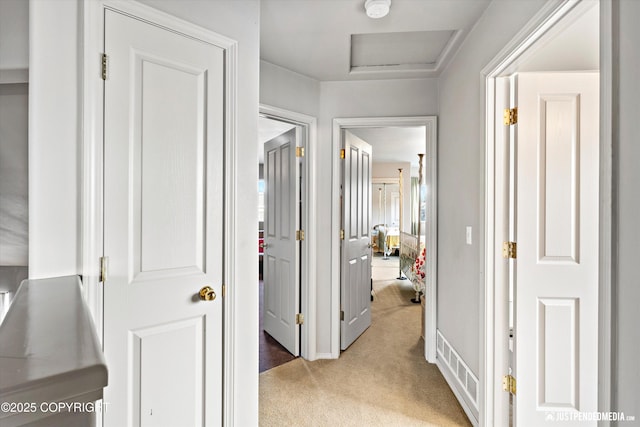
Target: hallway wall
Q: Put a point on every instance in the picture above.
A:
(288, 90)
(461, 176)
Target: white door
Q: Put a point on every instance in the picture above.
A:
(163, 223)
(281, 252)
(557, 254)
(355, 280)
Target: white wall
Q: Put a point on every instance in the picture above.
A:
(288, 90)
(14, 32)
(627, 239)
(461, 175)
(55, 153)
(54, 139)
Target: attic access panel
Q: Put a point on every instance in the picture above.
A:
(414, 50)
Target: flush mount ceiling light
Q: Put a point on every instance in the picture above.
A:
(377, 8)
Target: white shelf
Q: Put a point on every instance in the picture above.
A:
(13, 76)
(49, 351)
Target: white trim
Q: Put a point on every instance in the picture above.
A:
(309, 246)
(452, 372)
(92, 161)
(324, 356)
(452, 385)
(431, 124)
(92, 132)
(233, 303)
(606, 305)
(543, 25)
(538, 27)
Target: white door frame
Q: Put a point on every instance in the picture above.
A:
(494, 404)
(92, 172)
(430, 122)
(308, 252)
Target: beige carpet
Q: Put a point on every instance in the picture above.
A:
(381, 380)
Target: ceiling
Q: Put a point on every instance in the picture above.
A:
(395, 144)
(332, 40)
(320, 35)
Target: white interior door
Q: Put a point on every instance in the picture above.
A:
(163, 223)
(556, 319)
(281, 252)
(355, 280)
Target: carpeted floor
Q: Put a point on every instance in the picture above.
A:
(381, 380)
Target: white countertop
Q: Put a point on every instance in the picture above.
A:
(49, 351)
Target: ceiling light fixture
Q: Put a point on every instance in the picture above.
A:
(377, 8)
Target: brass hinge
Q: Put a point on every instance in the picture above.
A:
(299, 151)
(341, 234)
(342, 154)
(509, 384)
(510, 116)
(224, 291)
(299, 319)
(299, 234)
(341, 314)
(104, 66)
(104, 268)
(509, 250)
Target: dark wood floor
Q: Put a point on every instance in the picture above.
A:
(272, 354)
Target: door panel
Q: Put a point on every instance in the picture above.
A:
(282, 250)
(162, 225)
(356, 248)
(557, 258)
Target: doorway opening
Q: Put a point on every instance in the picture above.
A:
(360, 125)
(561, 42)
(286, 235)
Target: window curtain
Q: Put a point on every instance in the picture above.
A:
(415, 192)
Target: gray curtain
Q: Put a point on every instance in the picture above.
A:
(415, 192)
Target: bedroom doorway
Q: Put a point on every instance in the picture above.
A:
(557, 237)
(286, 234)
(356, 126)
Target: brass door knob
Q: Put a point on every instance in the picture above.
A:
(207, 294)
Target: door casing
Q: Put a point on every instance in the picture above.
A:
(430, 122)
(549, 21)
(92, 172)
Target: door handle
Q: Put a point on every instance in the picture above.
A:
(369, 245)
(264, 245)
(207, 294)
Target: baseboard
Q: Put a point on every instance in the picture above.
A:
(324, 356)
(461, 380)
